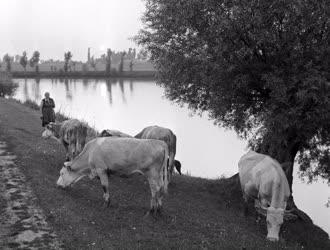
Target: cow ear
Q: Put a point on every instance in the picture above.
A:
(177, 165)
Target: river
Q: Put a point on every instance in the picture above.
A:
(204, 150)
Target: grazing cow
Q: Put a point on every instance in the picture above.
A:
(105, 156)
(166, 135)
(114, 133)
(263, 179)
(71, 133)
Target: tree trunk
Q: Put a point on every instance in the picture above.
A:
(285, 155)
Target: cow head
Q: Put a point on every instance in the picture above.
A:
(49, 131)
(68, 176)
(274, 221)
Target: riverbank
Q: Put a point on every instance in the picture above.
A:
(81, 74)
(198, 213)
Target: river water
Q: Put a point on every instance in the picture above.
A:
(204, 150)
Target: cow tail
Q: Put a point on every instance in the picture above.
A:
(165, 169)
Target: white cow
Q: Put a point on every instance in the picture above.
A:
(102, 157)
(153, 132)
(263, 179)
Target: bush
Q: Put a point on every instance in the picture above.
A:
(7, 86)
(31, 104)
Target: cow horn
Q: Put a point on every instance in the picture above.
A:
(67, 165)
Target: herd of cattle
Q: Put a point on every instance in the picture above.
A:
(152, 153)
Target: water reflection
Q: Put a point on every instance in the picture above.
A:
(109, 89)
(68, 93)
(122, 89)
(130, 105)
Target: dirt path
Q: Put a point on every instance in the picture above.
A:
(22, 223)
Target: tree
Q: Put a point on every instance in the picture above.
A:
(7, 86)
(121, 63)
(92, 62)
(24, 60)
(259, 67)
(7, 61)
(108, 61)
(67, 58)
(131, 65)
(73, 65)
(34, 60)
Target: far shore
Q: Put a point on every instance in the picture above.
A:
(80, 74)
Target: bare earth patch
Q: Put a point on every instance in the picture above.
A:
(22, 223)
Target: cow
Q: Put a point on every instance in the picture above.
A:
(71, 133)
(113, 133)
(157, 133)
(166, 135)
(263, 179)
(106, 156)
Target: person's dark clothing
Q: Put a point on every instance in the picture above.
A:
(48, 114)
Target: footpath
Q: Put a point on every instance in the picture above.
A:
(22, 223)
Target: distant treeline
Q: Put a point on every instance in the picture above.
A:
(111, 63)
(81, 74)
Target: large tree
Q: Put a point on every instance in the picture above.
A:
(259, 67)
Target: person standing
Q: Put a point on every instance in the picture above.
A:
(47, 109)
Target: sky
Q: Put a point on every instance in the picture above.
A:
(55, 26)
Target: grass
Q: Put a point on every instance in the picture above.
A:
(198, 213)
(59, 117)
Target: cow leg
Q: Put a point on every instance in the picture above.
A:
(245, 205)
(105, 186)
(156, 197)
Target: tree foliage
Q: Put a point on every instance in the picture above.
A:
(67, 58)
(121, 63)
(23, 60)
(34, 60)
(7, 60)
(108, 61)
(92, 62)
(259, 67)
(7, 86)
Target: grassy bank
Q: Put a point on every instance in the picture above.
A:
(198, 213)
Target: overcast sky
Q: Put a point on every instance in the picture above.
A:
(55, 26)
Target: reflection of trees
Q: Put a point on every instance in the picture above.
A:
(122, 90)
(85, 83)
(67, 89)
(108, 83)
(37, 95)
(25, 90)
(131, 87)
